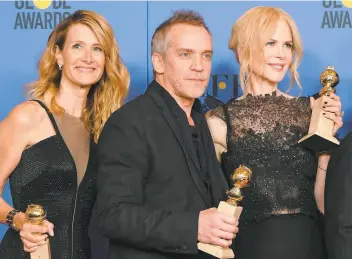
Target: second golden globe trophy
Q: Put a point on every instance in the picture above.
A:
(35, 214)
(241, 178)
(319, 137)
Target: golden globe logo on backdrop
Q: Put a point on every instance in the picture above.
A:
(221, 83)
(31, 14)
(336, 15)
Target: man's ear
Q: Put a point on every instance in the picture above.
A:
(158, 63)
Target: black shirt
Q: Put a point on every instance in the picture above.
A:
(194, 133)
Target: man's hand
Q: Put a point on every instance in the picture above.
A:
(216, 228)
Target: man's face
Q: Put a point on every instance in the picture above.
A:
(187, 61)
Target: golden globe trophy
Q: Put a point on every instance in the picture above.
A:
(35, 214)
(319, 137)
(241, 177)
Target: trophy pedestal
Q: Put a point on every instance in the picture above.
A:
(319, 137)
(217, 251)
(319, 143)
(43, 252)
(235, 211)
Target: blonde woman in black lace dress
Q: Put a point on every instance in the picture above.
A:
(261, 130)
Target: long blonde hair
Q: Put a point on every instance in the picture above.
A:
(104, 97)
(250, 33)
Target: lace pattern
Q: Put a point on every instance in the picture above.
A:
(263, 134)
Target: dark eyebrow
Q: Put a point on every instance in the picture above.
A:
(183, 49)
(208, 51)
(79, 41)
(192, 51)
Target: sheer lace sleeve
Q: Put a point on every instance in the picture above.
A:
(218, 112)
(213, 106)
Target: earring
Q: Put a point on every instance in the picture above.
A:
(60, 66)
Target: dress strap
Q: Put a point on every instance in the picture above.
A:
(51, 117)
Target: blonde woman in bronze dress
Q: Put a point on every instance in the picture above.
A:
(48, 144)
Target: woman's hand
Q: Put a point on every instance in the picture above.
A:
(332, 110)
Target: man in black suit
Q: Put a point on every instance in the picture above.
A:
(338, 201)
(158, 177)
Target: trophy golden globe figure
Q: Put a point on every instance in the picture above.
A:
(241, 178)
(319, 137)
(35, 214)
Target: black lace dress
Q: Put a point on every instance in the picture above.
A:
(279, 218)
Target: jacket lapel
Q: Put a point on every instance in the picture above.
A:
(219, 184)
(154, 91)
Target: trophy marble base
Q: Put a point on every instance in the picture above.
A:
(43, 252)
(217, 251)
(320, 137)
(318, 143)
